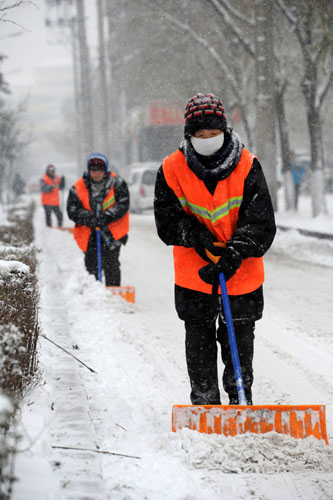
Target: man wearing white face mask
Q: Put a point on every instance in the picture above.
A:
(213, 190)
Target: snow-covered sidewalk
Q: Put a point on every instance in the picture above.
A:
(138, 354)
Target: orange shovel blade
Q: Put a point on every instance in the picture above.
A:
(127, 292)
(298, 421)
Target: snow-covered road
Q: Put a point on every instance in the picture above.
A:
(138, 353)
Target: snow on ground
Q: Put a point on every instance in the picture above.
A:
(124, 410)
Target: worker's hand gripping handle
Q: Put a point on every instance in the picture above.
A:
(215, 258)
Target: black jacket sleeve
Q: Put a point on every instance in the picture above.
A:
(256, 222)
(173, 224)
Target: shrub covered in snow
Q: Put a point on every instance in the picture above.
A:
(17, 230)
(19, 327)
(6, 449)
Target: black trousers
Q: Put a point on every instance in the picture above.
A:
(58, 213)
(110, 261)
(205, 326)
(201, 357)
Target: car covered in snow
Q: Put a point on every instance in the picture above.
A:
(142, 176)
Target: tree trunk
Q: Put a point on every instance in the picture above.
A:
(265, 112)
(309, 87)
(288, 185)
(78, 107)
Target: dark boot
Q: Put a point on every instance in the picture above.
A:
(201, 357)
(245, 338)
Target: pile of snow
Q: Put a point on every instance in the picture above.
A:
(8, 266)
(269, 453)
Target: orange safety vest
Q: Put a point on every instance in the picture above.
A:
(118, 228)
(53, 197)
(219, 213)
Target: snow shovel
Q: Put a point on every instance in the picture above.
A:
(99, 254)
(298, 421)
(126, 292)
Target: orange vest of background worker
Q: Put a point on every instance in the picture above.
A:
(100, 199)
(118, 228)
(50, 186)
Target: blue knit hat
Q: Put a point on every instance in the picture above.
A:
(98, 158)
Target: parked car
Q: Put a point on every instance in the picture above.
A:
(141, 185)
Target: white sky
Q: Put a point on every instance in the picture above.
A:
(36, 45)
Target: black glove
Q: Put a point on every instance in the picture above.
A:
(102, 220)
(228, 264)
(200, 240)
(86, 218)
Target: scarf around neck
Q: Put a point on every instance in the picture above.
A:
(217, 167)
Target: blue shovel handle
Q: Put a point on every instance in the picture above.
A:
(99, 254)
(232, 341)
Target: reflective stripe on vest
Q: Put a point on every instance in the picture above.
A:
(219, 212)
(118, 228)
(53, 197)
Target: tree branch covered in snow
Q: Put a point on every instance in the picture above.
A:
(5, 7)
(249, 47)
(237, 84)
(227, 5)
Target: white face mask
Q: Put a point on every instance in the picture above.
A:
(207, 147)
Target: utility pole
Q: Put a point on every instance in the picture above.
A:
(77, 94)
(103, 92)
(116, 92)
(62, 16)
(265, 114)
(85, 101)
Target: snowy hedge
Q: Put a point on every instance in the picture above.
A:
(19, 329)
(6, 448)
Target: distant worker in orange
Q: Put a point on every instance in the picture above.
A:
(98, 203)
(50, 186)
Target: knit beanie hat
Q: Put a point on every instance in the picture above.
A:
(204, 111)
(98, 159)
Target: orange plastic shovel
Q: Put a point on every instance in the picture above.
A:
(298, 421)
(126, 292)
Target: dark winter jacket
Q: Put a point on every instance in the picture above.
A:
(83, 217)
(255, 226)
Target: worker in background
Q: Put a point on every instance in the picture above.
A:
(50, 186)
(100, 200)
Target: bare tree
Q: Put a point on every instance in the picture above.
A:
(312, 25)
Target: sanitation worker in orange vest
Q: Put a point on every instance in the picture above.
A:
(100, 199)
(213, 190)
(50, 186)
